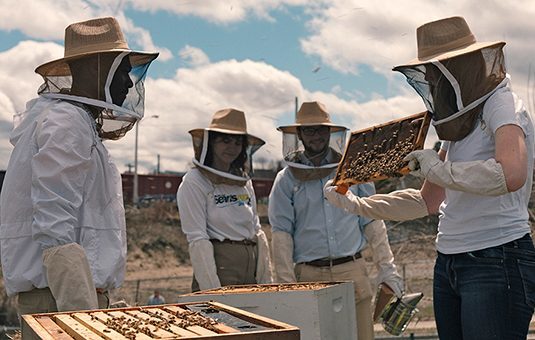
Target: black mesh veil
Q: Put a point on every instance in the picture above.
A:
(454, 89)
(114, 120)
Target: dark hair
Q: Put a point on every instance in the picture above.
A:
(239, 166)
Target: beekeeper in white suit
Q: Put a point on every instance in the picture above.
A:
(62, 233)
(479, 183)
(217, 206)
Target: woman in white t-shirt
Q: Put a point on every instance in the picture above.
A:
(217, 206)
(479, 183)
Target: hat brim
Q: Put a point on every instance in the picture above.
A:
(450, 54)
(293, 127)
(60, 67)
(251, 139)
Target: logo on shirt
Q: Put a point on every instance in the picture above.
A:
(226, 200)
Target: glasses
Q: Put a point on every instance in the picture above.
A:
(312, 130)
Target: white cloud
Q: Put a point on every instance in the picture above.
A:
(42, 19)
(220, 12)
(381, 34)
(193, 56)
(18, 81)
(47, 20)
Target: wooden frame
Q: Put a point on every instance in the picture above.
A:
(268, 288)
(377, 152)
(157, 322)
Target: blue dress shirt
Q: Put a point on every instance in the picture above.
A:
(319, 229)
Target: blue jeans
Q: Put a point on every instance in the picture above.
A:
(485, 294)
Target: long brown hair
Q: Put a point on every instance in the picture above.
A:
(239, 165)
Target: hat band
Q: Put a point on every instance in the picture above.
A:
(116, 45)
(428, 52)
(230, 128)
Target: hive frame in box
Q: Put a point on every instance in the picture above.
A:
(362, 145)
(323, 311)
(92, 324)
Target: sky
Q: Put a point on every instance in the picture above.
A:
(258, 56)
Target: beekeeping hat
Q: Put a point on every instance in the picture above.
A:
(444, 39)
(454, 75)
(229, 121)
(293, 149)
(310, 114)
(100, 35)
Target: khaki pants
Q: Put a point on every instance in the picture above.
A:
(236, 264)
(42, 301)
(350, 271)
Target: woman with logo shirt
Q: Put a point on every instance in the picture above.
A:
(217, 206)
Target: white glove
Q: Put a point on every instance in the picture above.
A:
(421, 162)
(476, 177)
(383, 258)
(69, 277)
(400, 205)
(283, 247)
(264, 272)
(202, 259)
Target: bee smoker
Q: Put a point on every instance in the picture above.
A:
(398, 312)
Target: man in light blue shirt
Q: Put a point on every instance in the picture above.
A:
(313, 240)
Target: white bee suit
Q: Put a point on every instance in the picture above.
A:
(61, 187)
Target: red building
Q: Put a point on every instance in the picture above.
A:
(165, 186)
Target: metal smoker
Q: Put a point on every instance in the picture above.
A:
(397, 312)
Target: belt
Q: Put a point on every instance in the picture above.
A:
(242, 242)
(333, 262)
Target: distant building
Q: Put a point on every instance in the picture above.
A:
(164, 186)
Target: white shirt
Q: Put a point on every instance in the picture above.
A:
(216, 211)
(60, 187)
(470, 222)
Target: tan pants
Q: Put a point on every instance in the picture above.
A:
(236, 264)
(42, 301)
(350, 271)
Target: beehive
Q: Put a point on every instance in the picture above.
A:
(377, 152)
(321, 310)
(200, 320)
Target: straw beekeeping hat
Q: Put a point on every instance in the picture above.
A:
(310, 114)
(444, 39)
(229, 121)
(101, 35)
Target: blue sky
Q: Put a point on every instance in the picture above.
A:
(253, 55)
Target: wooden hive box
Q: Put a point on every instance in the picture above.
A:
(321, 310)
(199, 320)
(377, 152)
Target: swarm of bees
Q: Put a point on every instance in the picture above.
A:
(378, 152)
(130, 327)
